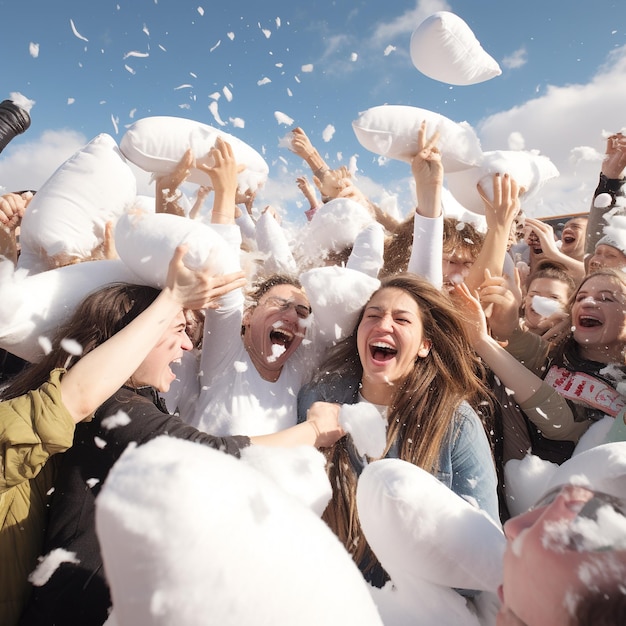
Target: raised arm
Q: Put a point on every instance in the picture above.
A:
(223, 175)
(545, 233)
(543, 405)
(499, 215)
(611, 182)
(12, 208)
(167, 192)
(101, 372)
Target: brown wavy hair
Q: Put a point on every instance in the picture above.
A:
(422, 410)
(97, 318)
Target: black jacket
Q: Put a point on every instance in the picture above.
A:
(78, 593)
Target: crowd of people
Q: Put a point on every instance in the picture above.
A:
(476, 347)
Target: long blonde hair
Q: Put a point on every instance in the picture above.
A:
(422, 410)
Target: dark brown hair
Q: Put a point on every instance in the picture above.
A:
(97, 318)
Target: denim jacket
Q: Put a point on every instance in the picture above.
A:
(465, 462)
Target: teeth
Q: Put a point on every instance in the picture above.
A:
(382, 344)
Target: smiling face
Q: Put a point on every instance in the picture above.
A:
(390, 338)
(607, 256)
(551, 288)
(544, 576)
(155, 369)
(599, 319)
(274, 328)
(456, 266)
(573, 238)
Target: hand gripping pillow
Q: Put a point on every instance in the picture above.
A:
(146, 243)
(36, 306)
(67, 217)
(443, 47)
(156, 144)
(192, 536)
(530, 170)
(391, 130)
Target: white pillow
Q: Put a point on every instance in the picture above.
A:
(190, 535)
(421, 530)
(67, 217)
(444, 47)
(391, 130)
(335, 225)
(530, 170)
(156, 144)
(146, 243)
(337, 295)
(35, 306)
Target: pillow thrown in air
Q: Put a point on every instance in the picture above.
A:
(530, 171)
(66, 219)
(391, 131)
(156, 145)
(443, 47)
(146, 243)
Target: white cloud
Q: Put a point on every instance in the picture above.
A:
(408, 21)
(518, 59)
(28, 165)
(557, 124)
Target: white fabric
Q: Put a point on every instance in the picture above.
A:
(530, 171)
(443, 47)
(234, 399)
(35, 306)
(391, 131)
(367, 254)
(422, 531)
(67, 216)
(272, 242)
(427, 251)
(244, 534)
(334, 226)
(156, 144)
(146, 243)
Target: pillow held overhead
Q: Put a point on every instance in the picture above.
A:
(391, 130)
(67, 217)
(156, 145)
(530, 171)
(444, 48)
(146, 243)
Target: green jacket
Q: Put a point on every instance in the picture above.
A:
(33, 427)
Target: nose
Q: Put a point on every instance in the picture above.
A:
(588, 301)
(186, 342)
(514, 526)
(384, 322)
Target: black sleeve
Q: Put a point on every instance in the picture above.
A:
(595, 226)
(148, 422)
(13, 121)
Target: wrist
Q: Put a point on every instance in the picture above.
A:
(316, 430)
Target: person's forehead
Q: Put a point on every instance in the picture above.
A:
(545, 283)
(576, 223)
(461, 255)
(605, 248)
(289, 292)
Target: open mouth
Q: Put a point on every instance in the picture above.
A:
(586, 321)
(281, 337)
(382, 351)
(568, 239)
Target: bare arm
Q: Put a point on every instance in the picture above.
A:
(101, 372)
(499, 215)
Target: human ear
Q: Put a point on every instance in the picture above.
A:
(424, 349)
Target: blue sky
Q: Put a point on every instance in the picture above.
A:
(95, 66)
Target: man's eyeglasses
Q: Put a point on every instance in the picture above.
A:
(599, 525)
(302, 311)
